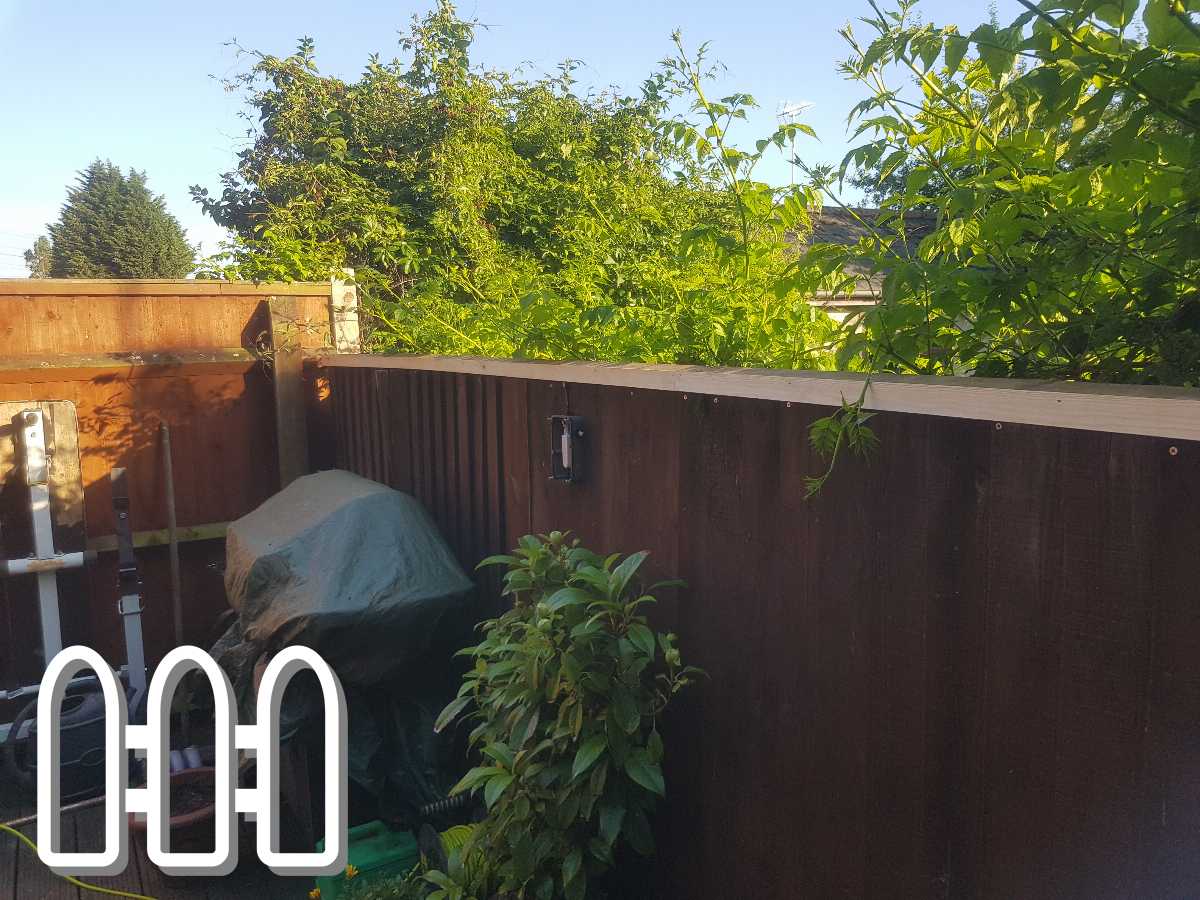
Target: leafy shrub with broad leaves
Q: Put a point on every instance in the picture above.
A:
(1058, 158)
(488, 213)
(566, 693)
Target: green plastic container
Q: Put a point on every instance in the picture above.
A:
(377, 852)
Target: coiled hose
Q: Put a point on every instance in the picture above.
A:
(446, 805)
(23, 776)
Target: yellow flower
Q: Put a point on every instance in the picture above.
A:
(314, 894)
(351, 870)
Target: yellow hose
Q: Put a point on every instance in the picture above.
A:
(112, 892)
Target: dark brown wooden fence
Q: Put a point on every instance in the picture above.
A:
(970, 669)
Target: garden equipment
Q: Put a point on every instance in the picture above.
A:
(358, 572)
(349, 567)
(32, 457)
(42, 438)
(376, 852)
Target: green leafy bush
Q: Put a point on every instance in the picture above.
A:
(1060, 158)
(489, 213)
(1039, 181)
(565, 696)
(1040, 185)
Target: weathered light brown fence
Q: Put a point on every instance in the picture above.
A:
(968, 669)
(132, 355)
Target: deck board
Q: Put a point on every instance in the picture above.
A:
(89, 835)
(22, 876)
(29, 878)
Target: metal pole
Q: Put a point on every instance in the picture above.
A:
(172, 534)
(37, 477)
(173, 549)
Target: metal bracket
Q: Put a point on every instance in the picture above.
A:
(567, 448)
(33, 441)
(130, 605)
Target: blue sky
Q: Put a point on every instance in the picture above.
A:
(139, 82)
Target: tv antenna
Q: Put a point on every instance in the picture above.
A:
(788, 113)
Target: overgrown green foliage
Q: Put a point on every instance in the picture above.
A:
(846, 430)
(112, 227)
(1061, 157)
(486, 213)
(758, 299)
(566, 693)
(489, 214)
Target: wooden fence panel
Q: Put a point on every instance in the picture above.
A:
(223, 449)
(132, 356)
(46, 318)
(970, 668)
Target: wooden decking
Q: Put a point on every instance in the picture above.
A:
(23, 877)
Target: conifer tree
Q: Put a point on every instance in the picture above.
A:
(37, 258)
(112, 226)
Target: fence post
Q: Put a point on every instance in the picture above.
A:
(291, 425)
(344, 332)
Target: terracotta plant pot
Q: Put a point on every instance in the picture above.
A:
(190, 828)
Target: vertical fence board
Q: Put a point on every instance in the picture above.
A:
(836, 607)
(1168, 532)
(517, 460)
(1023, 647)
(735, 723)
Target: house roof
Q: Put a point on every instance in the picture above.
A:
(848, 225)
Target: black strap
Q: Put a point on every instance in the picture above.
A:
(129, 583)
